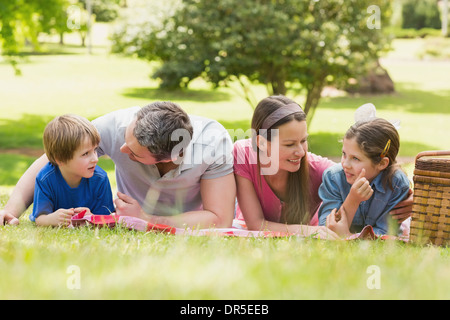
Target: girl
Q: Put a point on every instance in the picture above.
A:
(367, 184)
(277, 178)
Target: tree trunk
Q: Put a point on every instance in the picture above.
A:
(83, 39)
(312, 98)
(278, 87)
(278, 82)
(445, 18)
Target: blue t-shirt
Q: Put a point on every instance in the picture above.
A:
(375, 211)
(51, 192)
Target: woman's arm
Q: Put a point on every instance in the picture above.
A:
(254, 216)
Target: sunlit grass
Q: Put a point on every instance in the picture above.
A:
(118, 263)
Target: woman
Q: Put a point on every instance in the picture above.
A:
(277, 178)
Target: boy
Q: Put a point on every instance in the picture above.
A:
(71, 182)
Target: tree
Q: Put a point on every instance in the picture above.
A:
(104, 10)
(444, 18)
(283, 44)
(21, 21)
(421, 14)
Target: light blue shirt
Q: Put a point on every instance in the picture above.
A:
(375, 211)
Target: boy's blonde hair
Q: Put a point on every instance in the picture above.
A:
(64, 135)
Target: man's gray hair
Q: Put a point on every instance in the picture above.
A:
(155, 125)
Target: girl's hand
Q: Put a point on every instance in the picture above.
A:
(361, 189)
(337, 222)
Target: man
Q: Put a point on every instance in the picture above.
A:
(171, 168)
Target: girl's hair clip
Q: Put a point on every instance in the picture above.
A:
(386, 149)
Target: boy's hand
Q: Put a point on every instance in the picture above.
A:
(81, 209)
(60, 217)
(361, 189)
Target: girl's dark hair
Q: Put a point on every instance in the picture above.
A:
(372, 137)
(296, 210)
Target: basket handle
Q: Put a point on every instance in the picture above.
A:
(433, 153)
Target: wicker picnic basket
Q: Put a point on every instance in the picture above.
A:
(430, 222)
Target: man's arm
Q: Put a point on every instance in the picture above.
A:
(22, 195)
(403, 210)
(218, 196)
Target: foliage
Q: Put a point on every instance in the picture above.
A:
(410, 33)
(421, 14)
(283, 44)
(20, 20)
(104, 10)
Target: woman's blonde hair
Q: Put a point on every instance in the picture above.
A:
(64, 135)
(296, 210)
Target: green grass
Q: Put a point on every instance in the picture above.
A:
(119, 263)
(12, 167)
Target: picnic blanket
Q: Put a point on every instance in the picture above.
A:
(238, 229)
(133, 223)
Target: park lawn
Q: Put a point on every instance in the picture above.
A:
(67, 80)
(119, 263)
(122, 264)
